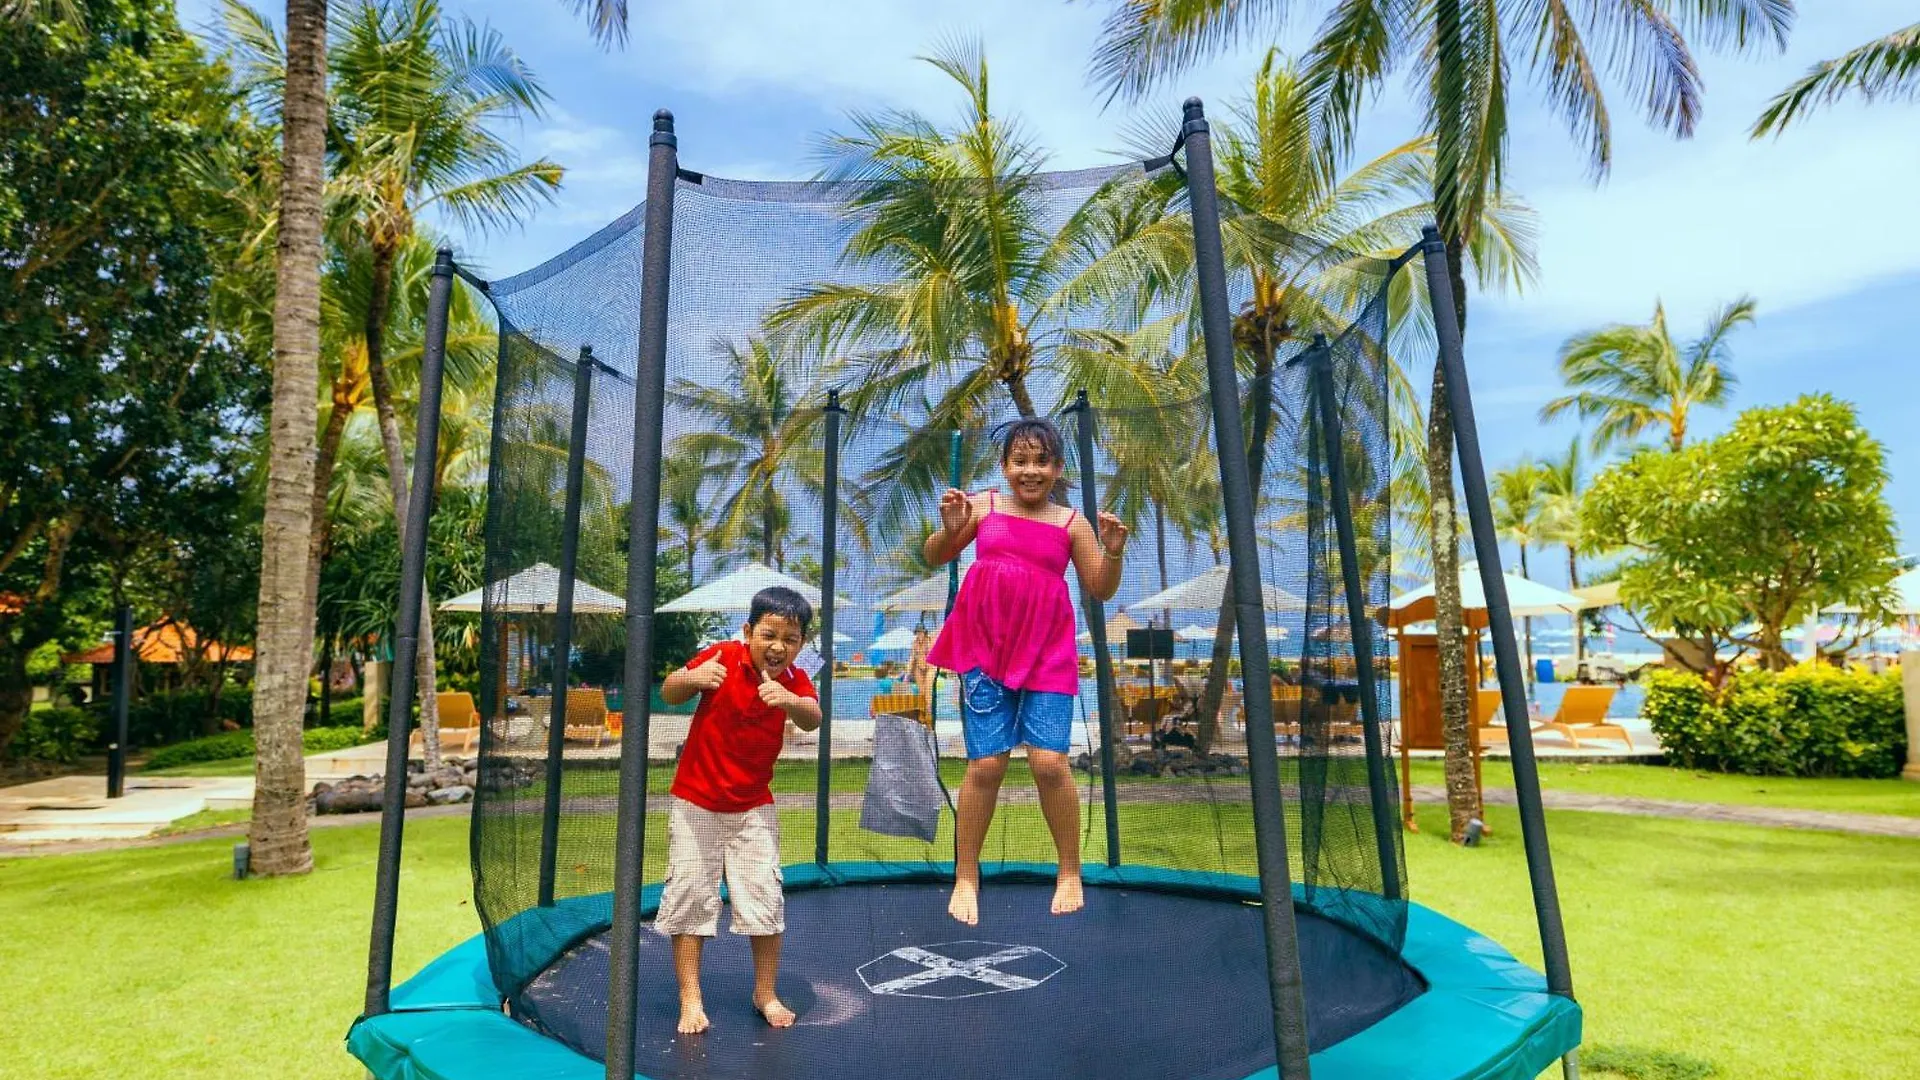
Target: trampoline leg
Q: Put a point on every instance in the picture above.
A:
(1570, 1065)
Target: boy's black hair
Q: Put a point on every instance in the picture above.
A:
(782, 601)
(1036, 429)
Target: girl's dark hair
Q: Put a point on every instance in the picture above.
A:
(782, 601)
(1036, 429)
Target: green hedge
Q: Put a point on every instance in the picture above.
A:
(57, 735)
(1806, 721)
(172, 716)
(239, 744)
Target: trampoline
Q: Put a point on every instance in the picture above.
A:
(1450, 1004)
(1247, 912)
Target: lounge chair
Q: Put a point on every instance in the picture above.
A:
(1583, 713)
(909, 704)
(1487, 719)
(458, 714)
(587, 716)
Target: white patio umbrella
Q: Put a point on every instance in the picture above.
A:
(1206, 591)
(1195, 632)
(537, 590)
(898, 639)
(929, 594)
(734, 592)
(1524, 596)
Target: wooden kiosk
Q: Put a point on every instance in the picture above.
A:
(1420, 721)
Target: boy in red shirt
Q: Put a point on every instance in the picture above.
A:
(723, 821)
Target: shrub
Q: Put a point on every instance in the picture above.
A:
(1806, 721)
(232, 744)
(57, 735)
(161, 719)
(239, 744)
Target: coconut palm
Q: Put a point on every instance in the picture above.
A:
(1297, 228)
(1458, 56)
(296, 100)
(1632, 378)
(415, 98)
(1520, 510)
(977, 279)
(1888, 68)
(1563, 483)
(764, 442)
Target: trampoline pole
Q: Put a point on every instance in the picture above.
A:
(1097, 628)
(829, 553)
(1236, 483)
(563, 622)
(1486, 548)
(643, 523)
(413, 574)
(1379, 777)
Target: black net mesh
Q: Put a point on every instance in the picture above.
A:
(784, 292)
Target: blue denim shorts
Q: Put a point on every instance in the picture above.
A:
(995, 719)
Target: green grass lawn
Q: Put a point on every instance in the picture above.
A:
(1772, 954)
(1900, 797)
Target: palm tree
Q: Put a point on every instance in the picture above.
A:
(1888, 68)
(682, 477)
(284, 640)
(1520, 512)
(977, 282)
(765, 438)
(1631, 378)
(1458, 55)
(283, 643)
(1563, 485)
(1279, 170)
(414, 100)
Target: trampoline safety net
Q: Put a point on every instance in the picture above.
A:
(940, 309)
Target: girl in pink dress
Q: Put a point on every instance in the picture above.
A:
(1010, 638)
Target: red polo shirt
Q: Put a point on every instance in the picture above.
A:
(726, 765)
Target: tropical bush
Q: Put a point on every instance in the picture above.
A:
(1805, 721)
(57, 735)
(173, 716)
(239, 744)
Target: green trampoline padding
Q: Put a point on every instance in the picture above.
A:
(1484, 1015)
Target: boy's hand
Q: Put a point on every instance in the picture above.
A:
(708, 676)
(772, 693)
(956, 510)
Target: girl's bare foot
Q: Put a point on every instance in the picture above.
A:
(1068, 896)
(774, 1013)
(693, 1018)
(965, 905)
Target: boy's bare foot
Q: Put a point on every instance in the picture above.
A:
(693, 1018)
(965, 905)
(774, 1013)
(1068, 896)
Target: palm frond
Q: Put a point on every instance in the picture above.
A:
(1888, 68)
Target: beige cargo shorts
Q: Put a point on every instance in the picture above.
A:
(703, 847)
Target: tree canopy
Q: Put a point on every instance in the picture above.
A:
(1784, 514)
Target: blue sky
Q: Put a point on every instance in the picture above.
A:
(1820, 225)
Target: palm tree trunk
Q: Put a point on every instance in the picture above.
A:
(379, 298)
(1463, 794)
(277, 835)
(1526, 626)
(1579, 618)
(330, 437)
(1022, 400)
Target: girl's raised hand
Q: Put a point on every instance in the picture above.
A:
(956, 510)
(1113, 535)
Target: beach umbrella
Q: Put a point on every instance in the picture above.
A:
(1117, 628)
(898, 639)
(537, 590)
(927, 595)
(1207, 590)
(734, 592)
(1524, 597)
